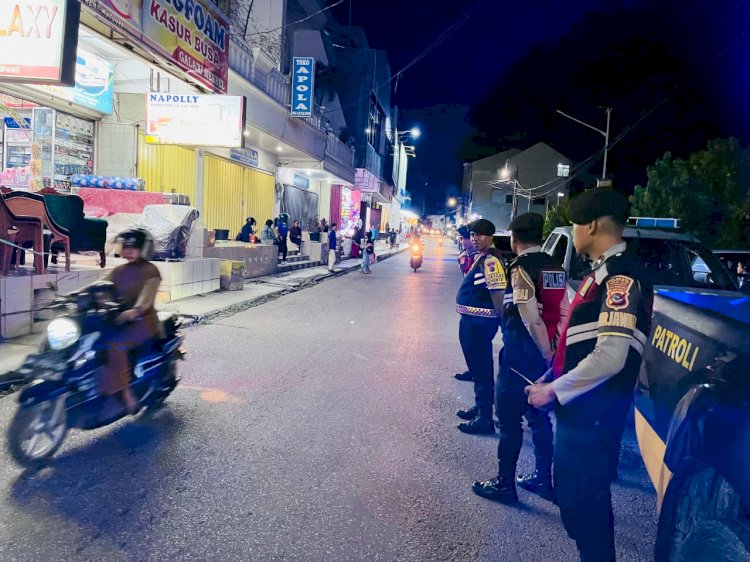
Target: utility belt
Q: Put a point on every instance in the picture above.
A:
(476, 311)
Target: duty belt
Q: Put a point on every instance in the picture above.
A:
(475, 311)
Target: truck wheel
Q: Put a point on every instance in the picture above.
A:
(702, 519)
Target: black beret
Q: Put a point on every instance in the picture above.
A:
(528, 226)
(482, 226)
(596, 203)
(463, 230)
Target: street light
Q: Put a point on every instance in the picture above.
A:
(414, 133)
(604, 133)
(452, 202)
(559, 194)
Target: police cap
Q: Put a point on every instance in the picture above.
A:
(482, 226)
(528, 227)
(596, 203)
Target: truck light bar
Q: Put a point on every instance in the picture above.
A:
(654, 222)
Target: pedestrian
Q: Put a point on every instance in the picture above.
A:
(323, 225)
(534, 305)
(267, 235)
(595, 370)
(282, 231)
(368, 254)
(357, 241)
(332, 247)
(480, 302)
(393, 234)
(247, 230)
(295, 235)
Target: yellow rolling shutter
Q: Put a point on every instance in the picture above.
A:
(167, 168)
(231, 193)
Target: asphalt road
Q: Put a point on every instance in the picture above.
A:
(320, 426)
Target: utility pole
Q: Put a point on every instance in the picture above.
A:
(604, 133)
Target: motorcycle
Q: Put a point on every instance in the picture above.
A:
(59, 384)
(416, 256)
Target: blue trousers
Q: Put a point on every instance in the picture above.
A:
(476, 334)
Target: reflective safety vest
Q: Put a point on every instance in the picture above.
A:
(474, 295)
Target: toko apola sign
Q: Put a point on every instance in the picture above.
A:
(303, 86)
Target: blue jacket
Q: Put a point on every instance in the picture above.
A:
(332, 240)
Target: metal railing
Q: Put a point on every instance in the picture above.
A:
(339, 151)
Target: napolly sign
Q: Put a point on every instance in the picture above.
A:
(303, 86)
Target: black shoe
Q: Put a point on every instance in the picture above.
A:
(497, 489)
(465, 376)
(478, 426)
(468, 414)
(539, 485)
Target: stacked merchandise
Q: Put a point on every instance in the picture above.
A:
(87, 180)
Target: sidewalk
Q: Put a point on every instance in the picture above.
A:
(209, 306)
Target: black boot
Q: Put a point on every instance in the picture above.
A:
(468, 414)
(498, 489)
(478, 426)
(538, 483)
(465, 376)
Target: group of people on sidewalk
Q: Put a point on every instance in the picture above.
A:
(368, 248)
(275, 231)
(578, 357)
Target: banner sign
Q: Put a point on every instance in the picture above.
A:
(38, 40)
(303, 86)
(192, 34)
(197, 120)
(94, 86)
(246, 156)
(301, 181)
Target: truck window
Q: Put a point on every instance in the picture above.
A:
(561, 249)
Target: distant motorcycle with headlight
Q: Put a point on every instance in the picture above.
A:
(59, 385)
(417, 256)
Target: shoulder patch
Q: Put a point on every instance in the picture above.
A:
(553, 279)
(618, 289)
(494, 273)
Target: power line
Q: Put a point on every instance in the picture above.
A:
(295, 22)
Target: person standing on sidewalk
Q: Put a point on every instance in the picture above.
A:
(595, 370)
(282, 230)
(480, 303)
(369, 251)
(332, 247)
(533, 309)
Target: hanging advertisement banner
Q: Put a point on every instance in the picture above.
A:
(193, 34)
(38, 40)
(303, 86)
(94, 87)
(195, 120)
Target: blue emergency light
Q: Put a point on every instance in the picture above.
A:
(654, 222)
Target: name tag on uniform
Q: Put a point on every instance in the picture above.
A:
(586, 286)
(553, 279)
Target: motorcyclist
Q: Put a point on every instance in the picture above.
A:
(136, 284)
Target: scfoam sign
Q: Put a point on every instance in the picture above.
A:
(195, 120)
(303, 86)
(38, 40)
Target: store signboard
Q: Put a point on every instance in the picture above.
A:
(94, 87)
(38, 40)
(303, 85)
(301, 181)
(14, 178)
(246, 156)
(193, 34)
(197, 120)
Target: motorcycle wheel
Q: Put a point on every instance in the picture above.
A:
(170, 383)
(36, 433)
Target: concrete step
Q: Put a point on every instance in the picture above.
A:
(294, 258)
(297, 265)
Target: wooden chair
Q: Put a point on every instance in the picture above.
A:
(24, 204)
(27, 229)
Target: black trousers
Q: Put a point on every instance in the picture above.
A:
(283, 249)
(585, 464)
(510, 406)
(476, 334)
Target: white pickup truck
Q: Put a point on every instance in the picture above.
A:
(692, 405)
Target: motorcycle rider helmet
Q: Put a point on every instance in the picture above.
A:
(138, 238)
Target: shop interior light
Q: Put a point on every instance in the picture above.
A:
(279, 148)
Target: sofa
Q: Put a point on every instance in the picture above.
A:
(86, 234)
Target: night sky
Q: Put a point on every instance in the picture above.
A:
(676, 74)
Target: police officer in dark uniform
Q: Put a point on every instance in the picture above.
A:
(532, 311)
(468, 253)
(479, 302)
(595, 370)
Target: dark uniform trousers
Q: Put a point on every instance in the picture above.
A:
(511, 405)
(587, 449)
(476, 334)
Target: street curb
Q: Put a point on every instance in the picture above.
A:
(189, 320)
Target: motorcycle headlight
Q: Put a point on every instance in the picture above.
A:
(62, 333)
(415, 248)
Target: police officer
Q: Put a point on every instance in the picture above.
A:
(595, 369)
(530, 320)
(479, 302)
(466, 258)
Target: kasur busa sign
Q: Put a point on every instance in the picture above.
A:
(303, 86)
(193, 34)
